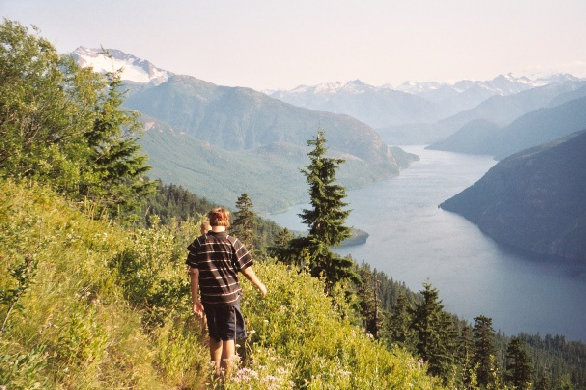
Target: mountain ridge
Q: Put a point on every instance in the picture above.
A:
(533, 200)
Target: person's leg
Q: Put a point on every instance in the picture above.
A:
(228, 351)
(216, 352)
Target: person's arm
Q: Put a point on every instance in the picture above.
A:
(197, 306)
(250, 275)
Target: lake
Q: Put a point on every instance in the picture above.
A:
(412, 240)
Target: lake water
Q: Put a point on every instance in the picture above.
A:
(412, 240)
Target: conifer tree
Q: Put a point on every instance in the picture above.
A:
(399, 326)
(518, 365)
(244, 221)
(117, 166)
(464, 356)
(370, 307)
(326, 219)
(484, 350)
(434, 329)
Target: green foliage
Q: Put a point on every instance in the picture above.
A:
(311, 346)
(174, 203)
(484, 350)
(325, 220)
(243, 221)
(518, 365)
(89, 327)
(434, 329)
(9, 298)
(62, 125)
(170, 202)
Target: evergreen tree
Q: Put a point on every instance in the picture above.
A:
(370, 307)
(399, 325)
(484, 350)
(518, 365)
(544, 382)
(244, 221)
(464, 356)
(325, 219)
(114, 158)
(434, 330)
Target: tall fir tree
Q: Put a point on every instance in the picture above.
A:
(518, 366)
(370, 304)
(325, 219)
(484, 351)
(399, 325)
(434, 330)
(244, 221)
(118, 169)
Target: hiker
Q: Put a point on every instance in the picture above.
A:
(205, 227)
(214, 260)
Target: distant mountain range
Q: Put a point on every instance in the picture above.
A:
(532, 129)
(410, 103)
(533, 200)
(195, 127)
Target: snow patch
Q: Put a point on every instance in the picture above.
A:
(133, 68)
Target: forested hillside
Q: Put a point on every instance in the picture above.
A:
(93, 288)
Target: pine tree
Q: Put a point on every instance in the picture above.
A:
(518, 365)
(434, 330)
(399, 326)
(464, 356)
(325, 219)
(244, 221)
(370, 307)
(484, 350)
(115, 164)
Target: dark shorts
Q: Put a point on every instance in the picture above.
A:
(225, 322)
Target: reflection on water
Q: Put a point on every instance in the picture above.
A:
(412, 240)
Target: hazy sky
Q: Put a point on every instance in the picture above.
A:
(281, 44)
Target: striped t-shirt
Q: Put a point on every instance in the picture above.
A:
(218, 257)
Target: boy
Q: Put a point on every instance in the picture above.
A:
(214, 260)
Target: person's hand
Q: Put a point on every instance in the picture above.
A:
(263, 289)
(198, 309)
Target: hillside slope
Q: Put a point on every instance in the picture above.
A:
(268, 173)
(105, 307)
(533, 200)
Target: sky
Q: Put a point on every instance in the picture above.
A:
(276, 44)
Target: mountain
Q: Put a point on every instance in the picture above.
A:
(220, 141)
(502, 110)
(269, 173)
(533, 200)
(531, 129)
(376, 106)
(499, 110)
(409, 103)
(133, 68)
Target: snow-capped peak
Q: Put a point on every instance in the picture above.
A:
(133, 68)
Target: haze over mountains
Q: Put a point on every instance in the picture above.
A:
(422, 113)
(220, 141)
(195, 127)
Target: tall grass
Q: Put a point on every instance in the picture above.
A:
(108, 307)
